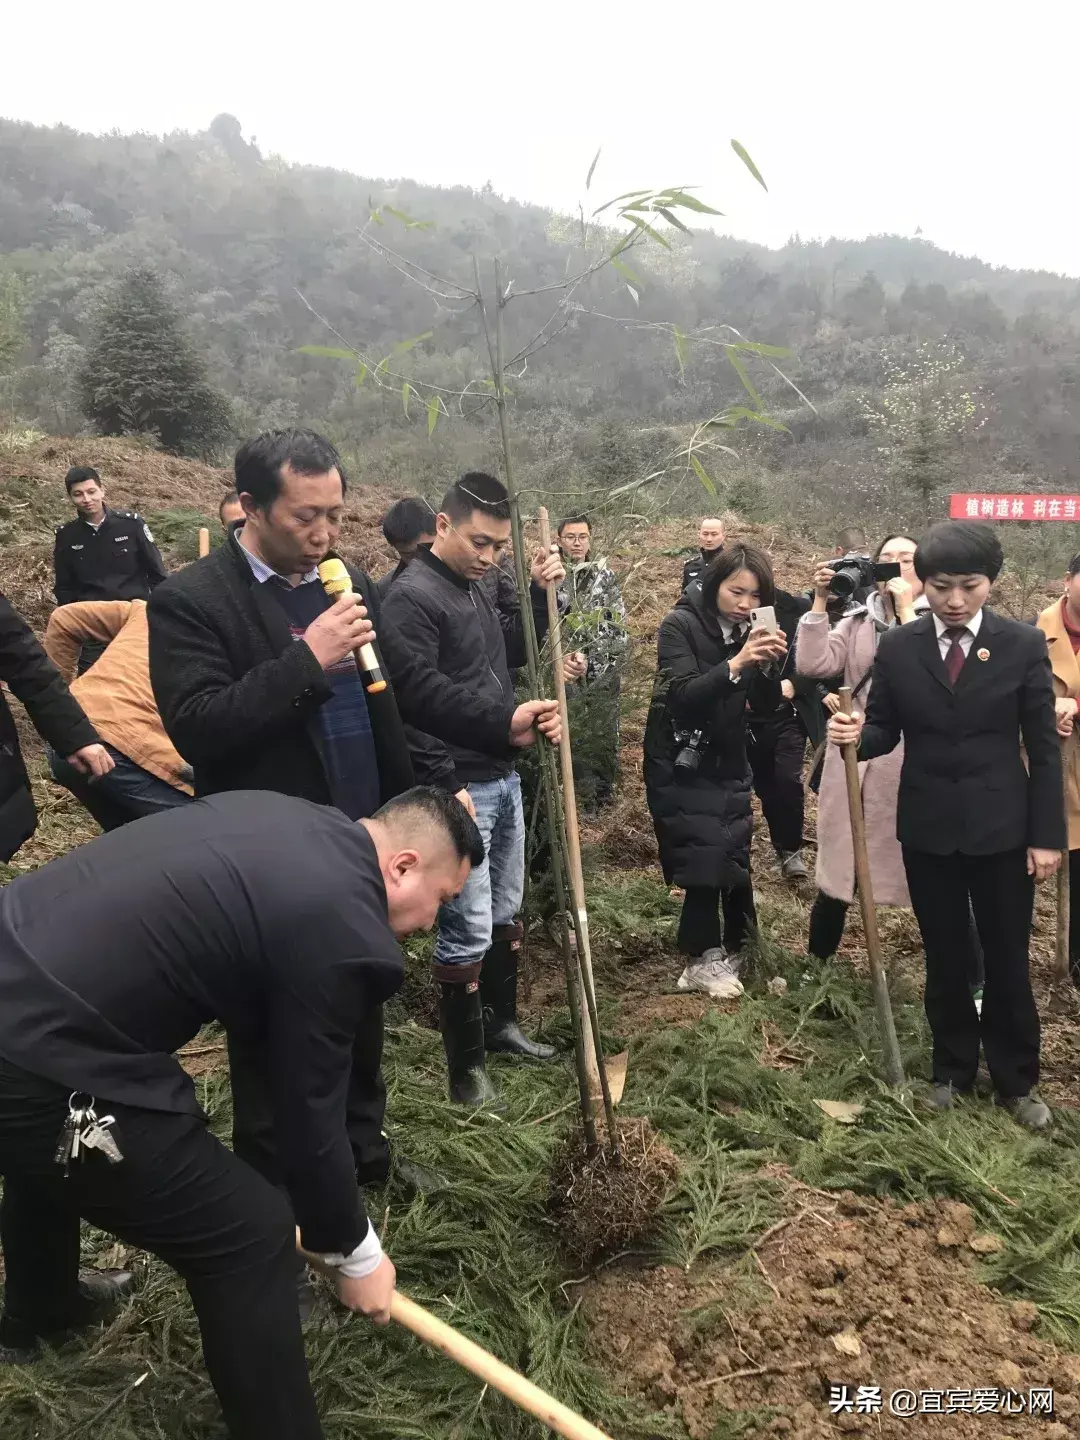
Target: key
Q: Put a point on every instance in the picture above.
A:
(65, 1142)
(96, 1137)
(77, 1116)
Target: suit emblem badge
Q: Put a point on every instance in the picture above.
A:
(983, 654)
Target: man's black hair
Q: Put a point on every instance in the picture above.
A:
(574, 520)
(895, 534)
(259, 462)
(408, 519)
(852, 539)
(739, 557)
(232, 498)
(439, 807)
(77, 474)
(476, 491)
(1074, 566)
(957, 547)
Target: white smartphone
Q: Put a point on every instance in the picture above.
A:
(764, 618)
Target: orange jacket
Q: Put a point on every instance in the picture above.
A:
(115, 692)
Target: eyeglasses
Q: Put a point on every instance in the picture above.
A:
(482, 543)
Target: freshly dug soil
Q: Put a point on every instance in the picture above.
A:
(897, 1285)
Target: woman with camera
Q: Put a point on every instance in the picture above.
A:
(849, 648)
(710, 663)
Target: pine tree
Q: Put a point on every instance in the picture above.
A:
(142, 374)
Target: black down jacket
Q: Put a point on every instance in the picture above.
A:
(702, 818)
(57, 716)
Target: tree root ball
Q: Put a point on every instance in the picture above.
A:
(602, 1205)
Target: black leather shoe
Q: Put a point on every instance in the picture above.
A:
(462, 1024)
(498, 995)
(100, 1292)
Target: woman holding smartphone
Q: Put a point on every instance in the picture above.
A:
(710, 663)
(849, 648)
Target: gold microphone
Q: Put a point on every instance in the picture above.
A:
(336, 581)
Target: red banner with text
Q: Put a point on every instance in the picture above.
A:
(1014, 507)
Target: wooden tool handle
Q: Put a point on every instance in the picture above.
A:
(894, 1069)
(204, 541)
(524, 1394)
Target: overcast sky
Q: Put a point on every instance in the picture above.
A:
(953, 116)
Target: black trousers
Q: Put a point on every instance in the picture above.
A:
(775, 750)
(1001, 893)
(828, 916)
(253, 1117)
(700, 926)
(180, 1194)
(1074, 915)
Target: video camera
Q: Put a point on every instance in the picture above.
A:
(854, 572)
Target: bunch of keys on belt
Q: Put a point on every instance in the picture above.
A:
(83, 1131)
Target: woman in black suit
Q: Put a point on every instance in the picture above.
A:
(977, 826)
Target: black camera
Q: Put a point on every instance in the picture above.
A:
(691, 745)
(853, 573)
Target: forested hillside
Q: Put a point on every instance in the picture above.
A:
(921, 369)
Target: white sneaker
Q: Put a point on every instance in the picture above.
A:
(715, 974)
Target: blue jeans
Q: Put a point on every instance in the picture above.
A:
(493, 891)
(128, 792)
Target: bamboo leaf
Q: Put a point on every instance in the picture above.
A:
(624, 270)
(592, 167)
(328, 351)
(406, 387)
(703, 475)
(740, 151)
(636, 484)
(361, 374)
(381, 368)
(673, 219)
(756, 347)
(634, 295)
(680, 349)
(432, 413)
(377, 217)
(648, 230)
(743, 374)
(691, 202)
(630, 195)
(404, 345)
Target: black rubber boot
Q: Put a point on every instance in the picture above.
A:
(462, 1026)
(498, 992)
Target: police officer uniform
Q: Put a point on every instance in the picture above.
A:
(116, 561)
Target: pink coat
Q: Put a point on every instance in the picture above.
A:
(820, 653)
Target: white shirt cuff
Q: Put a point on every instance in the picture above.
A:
(734, 675)
(364, 1259)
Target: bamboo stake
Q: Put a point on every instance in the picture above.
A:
(598, 1072)
(1061, 946)
(204, 541)
(894, 1066)
(584, 1050)
(480, 1362)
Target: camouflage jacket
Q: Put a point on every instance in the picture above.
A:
(594, 616)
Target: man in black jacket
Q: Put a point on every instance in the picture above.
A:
(711, 541)
(277, 918)
(961, 687)
(103, 554)
(451, 640)
(253, 673)
(408, 524)
(57, 717)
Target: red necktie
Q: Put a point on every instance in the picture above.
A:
(954, 656)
